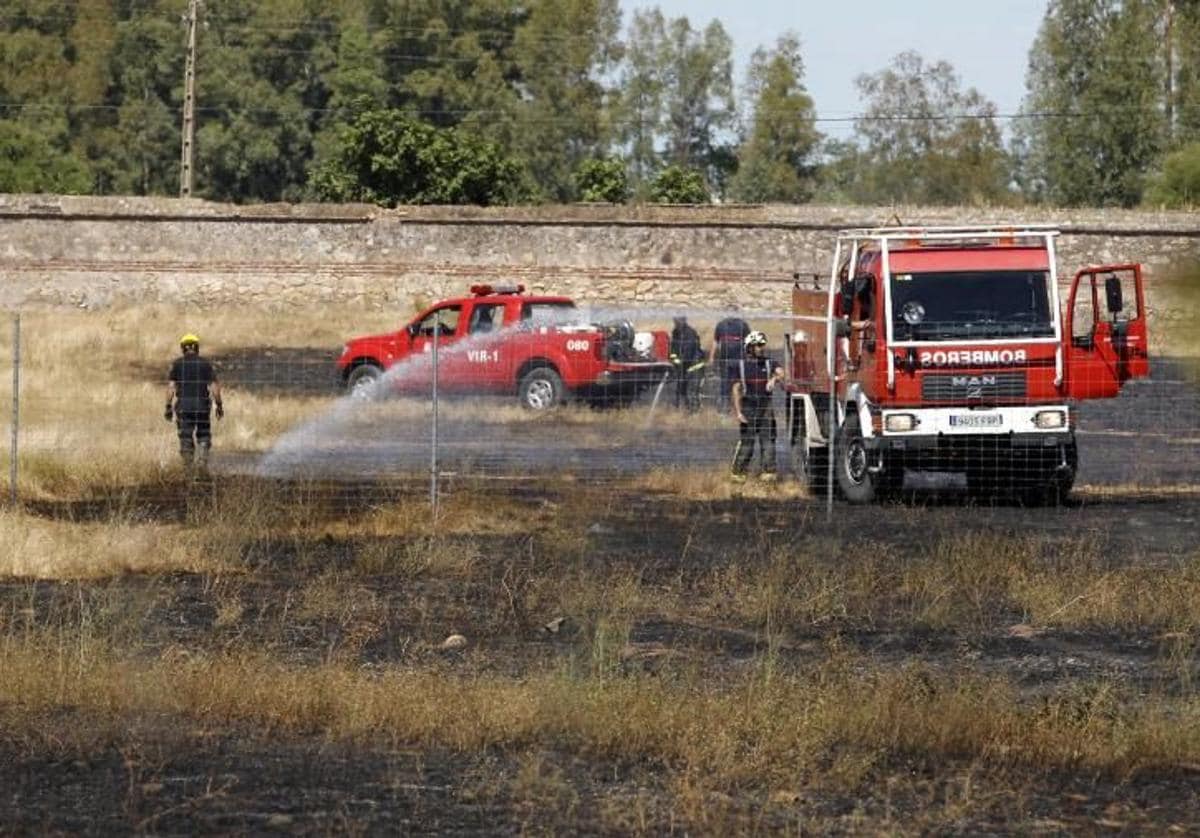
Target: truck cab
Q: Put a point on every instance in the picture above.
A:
(947, 349)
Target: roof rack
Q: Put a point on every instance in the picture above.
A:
(959, 233)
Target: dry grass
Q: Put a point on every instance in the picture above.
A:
(712, 484)
(758, 732)
(967, 584)
(46, 549)
(90, 420)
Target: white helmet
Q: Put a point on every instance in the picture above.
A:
(755, 339)
(643, 343)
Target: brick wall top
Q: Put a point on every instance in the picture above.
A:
(1108, 222)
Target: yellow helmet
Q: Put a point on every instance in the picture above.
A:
(189, 340)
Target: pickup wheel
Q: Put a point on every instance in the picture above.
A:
(363, 380)
(540, 389)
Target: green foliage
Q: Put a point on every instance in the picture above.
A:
(386, 157)
(1178, 185)
(677, 185)
(1096, 85)
(602, 180)
(29, 164)
(926, 141)
(774, 163)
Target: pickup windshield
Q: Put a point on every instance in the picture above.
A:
(960, 305)
(548, 314)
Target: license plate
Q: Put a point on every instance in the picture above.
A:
(977, 420)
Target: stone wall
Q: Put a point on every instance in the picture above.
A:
(94, 252)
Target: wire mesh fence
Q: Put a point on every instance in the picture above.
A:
(594, 402)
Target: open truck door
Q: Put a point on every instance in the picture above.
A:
(1106, 338)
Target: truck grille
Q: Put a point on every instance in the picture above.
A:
(958, 387)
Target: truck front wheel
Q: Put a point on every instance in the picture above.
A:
(363, 380)
(851, 464)
(540, 389)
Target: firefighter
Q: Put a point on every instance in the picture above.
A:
(687, 359)
(751, 393)
(192, 390)
(726, 354)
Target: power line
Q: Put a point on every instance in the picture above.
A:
(493, 112)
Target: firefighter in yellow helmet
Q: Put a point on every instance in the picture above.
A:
(192, 390)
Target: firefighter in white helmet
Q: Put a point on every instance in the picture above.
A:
(752, 390)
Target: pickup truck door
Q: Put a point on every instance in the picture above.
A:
(419, 372)
(1106, 335)
(485, 355)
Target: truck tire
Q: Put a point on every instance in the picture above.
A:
(540, 389)
(850, 464)
(363, 380)
(1053, 488)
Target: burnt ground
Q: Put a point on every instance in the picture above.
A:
(168, 775)
(1147, 438)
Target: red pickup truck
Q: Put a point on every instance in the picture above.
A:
(501, 340)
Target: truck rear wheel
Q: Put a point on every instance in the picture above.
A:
(540, 389)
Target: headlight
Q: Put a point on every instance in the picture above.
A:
(898, 423)
(1048, 419)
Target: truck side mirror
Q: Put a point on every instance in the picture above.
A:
(1112, 293)
(413, 329)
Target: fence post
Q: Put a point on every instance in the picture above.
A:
(433, 447)
(16, 407)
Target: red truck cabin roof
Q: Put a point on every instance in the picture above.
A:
(994, 258)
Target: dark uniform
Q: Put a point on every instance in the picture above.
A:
(688, 359)
(728, 352)
(754, 373)
(192, 376)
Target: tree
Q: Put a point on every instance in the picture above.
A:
(924, 140)
(29, 164)
(1094, 115)
(640, 105)
(1182, 42)
(562, 52)
(698, 98)
(387, 157)
(135, 149)
(774, 163)
(602, 180)
(1177, 186)
(677, 185)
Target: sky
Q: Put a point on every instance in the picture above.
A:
(987, 43)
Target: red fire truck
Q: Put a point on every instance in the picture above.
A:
(501, 340)
(946, 349)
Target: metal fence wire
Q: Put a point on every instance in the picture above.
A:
(92, 387)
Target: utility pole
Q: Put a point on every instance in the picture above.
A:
(189, 103)
(1170, 44)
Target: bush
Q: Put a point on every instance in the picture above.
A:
(1178, 185)
(602, 180)
(677, 185)
(386, 157)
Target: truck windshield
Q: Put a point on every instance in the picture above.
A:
(966, 305)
